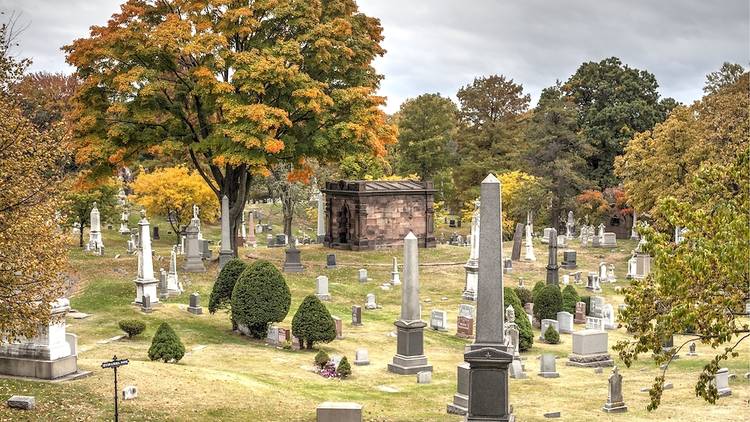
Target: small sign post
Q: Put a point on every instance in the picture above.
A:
(114, 364)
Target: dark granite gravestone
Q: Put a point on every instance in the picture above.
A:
(205, 249)
(331, 261)
(356, 315)
(156, 233)
(552, 267)
(292, 263)
(195, 304)
(517, 236)
(569, 260)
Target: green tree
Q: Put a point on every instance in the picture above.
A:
(166, 345)
(313, 323)
(551, 336)
(80, 200)
(570, 297)
(727, 75)
(426, 135)
(678, 297)
(614, 102)
(489, 130)
(557, 153)
(548, 302)
(235, 86)
(221, 294)
(260, 297)
(344, 370)
(132, 327)
(363, 167)
(525, 333)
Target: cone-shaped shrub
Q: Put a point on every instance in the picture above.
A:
(166, 345)
(132, 327)
(321, 358)
(313, 323)
(548, 302)
(551, 336)
(536, 290)
(221, 295)
(525, 333)
(570, 298)
(260, 297)
(344, 369)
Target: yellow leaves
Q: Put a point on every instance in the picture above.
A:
(174, 189)
(273, 146)
(315, 99)
(129, 81)
(264, 117)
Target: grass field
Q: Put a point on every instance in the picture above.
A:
(225, 376)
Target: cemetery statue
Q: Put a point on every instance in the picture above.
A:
(510, 315)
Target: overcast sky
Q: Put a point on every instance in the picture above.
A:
(441, 45)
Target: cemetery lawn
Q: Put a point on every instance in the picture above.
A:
(229, 377)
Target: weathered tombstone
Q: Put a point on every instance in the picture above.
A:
(517, 236)
(195, 304)
(465, 321)
(362, 275)
(552, 267)
(338, 412)
(569, 225)
(193, 262)
(561, 241)
(594, 323)
(580, 316)
(22, 402)
(565, 322)
(516, 370)
(361, 357)
(173, 286)
(95, 231)
(145, 283)
(529, 308)
(292, 262)
(609, 240)
(251, 240)
(439, 320)
(156, 233)
(691, 349)
(321, 288)
(146, 304)
(409, 357)
(205, 247)
(507, 266)
(546, 235)
(339, 327)
(371, 304)
(615, 401)
(395, 277)
(330, 261)
(529, 256)
(608, 317)
(270, 241)
(461, 397)
(130, 392)
(721, 380)
(546, 323)
(597, 306)
(488, 356)
(225, 253)
(590, 349)
(569, 260)
(356, 315)
(611, 273)
(547, 366)
(424, 377)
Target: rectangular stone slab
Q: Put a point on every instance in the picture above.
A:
(586, 342)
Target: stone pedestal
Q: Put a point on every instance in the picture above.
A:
(52, 354)
(590, 349)
(488, 384)
(472, 277)
(145, 284)
(409, 358)
(292, 263)
(193, 262)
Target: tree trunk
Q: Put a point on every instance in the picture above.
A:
(309, 344)
(80, 236)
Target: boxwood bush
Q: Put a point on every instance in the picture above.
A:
(166, 345)
(548, 302)
(313, 323)
(260, 297)
(132, 327)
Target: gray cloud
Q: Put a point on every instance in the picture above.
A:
(441, 45)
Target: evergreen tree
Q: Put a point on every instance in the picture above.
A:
(260, 297)
(166, 345)
(221, 294)
(344, 370)
(570, 298)
(313, 323)
(548, 302)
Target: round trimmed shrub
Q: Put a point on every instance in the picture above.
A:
(570, 298)
(260, 297)
(221, 295)
(548, 302)
(132, 327)
(344, 369)
(551, 336)
(537, 288)
(525, 333)
(524, 295)
(313, 323)
(322, 358)
(166, 345)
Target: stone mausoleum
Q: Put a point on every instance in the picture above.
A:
(365, 215)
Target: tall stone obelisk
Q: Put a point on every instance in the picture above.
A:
(145, 284)
(321, 233)
(472, 265)
(226, 253)
(410, 358)
(488, 356)
(552, 267)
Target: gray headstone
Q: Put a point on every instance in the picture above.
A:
(615, 402)
(339, 412)
(517, 236)
(331, 261)
(195, 304)
(361, 357)
(547, 366)
(22, 402)
(356, 315)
